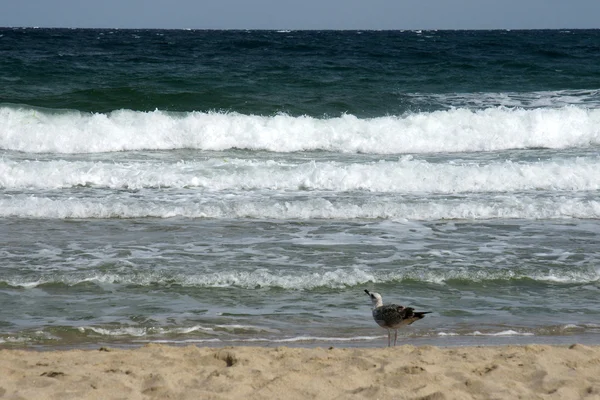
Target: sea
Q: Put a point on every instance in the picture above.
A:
(238, 187)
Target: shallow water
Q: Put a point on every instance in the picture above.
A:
(246, 281)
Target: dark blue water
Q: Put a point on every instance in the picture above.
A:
(317, 73)
(227, 187)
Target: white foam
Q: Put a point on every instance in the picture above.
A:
(15, 339)
(258, 278)
(526, 100)
(172, 341)
(252, 328)
(307, 280)
(294, 339)
(126, 331)
(508, 332)
(265, 206)
(456, 130)
(312, 339)
(142, 331)
(406, 175)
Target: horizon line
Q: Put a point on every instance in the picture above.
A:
(301, 29)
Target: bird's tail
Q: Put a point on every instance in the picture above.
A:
(421, 314)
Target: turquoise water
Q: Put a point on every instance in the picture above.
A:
(245, 187)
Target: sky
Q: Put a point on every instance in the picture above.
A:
(302, 14)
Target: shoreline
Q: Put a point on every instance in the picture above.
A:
(232, 372)
(308, 342)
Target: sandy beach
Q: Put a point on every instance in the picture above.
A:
(404, 372)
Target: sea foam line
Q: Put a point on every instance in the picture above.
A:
(509, 332)
(338, 278)
(157, 330)
(455, 130)
(295, 339)
(318, 206)
(406, 175)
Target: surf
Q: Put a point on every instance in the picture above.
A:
(34, 130)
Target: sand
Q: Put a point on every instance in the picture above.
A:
(403, 372)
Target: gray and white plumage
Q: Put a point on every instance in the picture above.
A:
(393, 316)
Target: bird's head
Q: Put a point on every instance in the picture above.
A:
(375, 298)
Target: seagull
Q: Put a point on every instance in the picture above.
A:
(393, 316)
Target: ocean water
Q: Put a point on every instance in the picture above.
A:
(245, 187)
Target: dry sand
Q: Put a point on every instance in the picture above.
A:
(404, 372)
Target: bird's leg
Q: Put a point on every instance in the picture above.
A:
(389, 338)
(395, 336)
